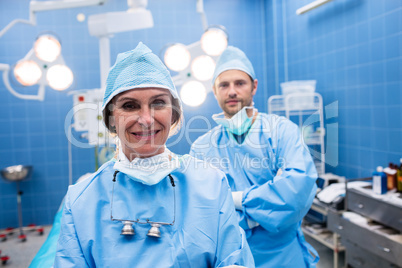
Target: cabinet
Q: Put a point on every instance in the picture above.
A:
(375, 241)
(306, 110)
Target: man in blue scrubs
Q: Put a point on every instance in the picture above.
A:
(270, 172)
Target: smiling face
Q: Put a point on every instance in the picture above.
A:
(142, 118)
(234, 90)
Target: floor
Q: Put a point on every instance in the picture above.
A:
(22, 253)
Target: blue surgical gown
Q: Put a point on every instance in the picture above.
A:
(205, 232)
(276, 203)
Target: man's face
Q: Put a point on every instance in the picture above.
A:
(234, 89)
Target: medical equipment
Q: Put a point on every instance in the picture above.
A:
(16, 174)
(88, 116)
(35, 68)
(103, 26)
(154, 231)
(373, 237)
(310, 118)
(43, 65)
(4, 259)
(195, 62)
(194, 90)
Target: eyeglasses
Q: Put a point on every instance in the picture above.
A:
(154, 231)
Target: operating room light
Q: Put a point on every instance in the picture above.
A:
(43, 65)
(27, 72)
(47, 48)
(177, 57)
(59, 77)
(203, 67)
(194, 75)
(193, 93)
(214, 41)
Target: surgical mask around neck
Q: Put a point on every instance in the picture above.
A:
(237, 124)
(149, 170)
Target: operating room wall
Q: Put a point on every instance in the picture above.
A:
(353, 49)
(33, 132)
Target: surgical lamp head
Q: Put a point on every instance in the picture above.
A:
(44, 66)
(233, 58)
(195, 63)
(47, 48)
(214, 40)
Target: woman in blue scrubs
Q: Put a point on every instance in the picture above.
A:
(149, 207)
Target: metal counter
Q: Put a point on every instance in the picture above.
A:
(376, 242)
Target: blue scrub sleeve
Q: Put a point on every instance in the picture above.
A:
(285, 200)
(232, 247)
(69, 252)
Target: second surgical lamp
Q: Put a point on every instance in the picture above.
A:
(195, 64)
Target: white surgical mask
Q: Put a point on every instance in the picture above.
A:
(149, 170)
(239, 123)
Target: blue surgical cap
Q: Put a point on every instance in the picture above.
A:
(233, 58)
(137, 68)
